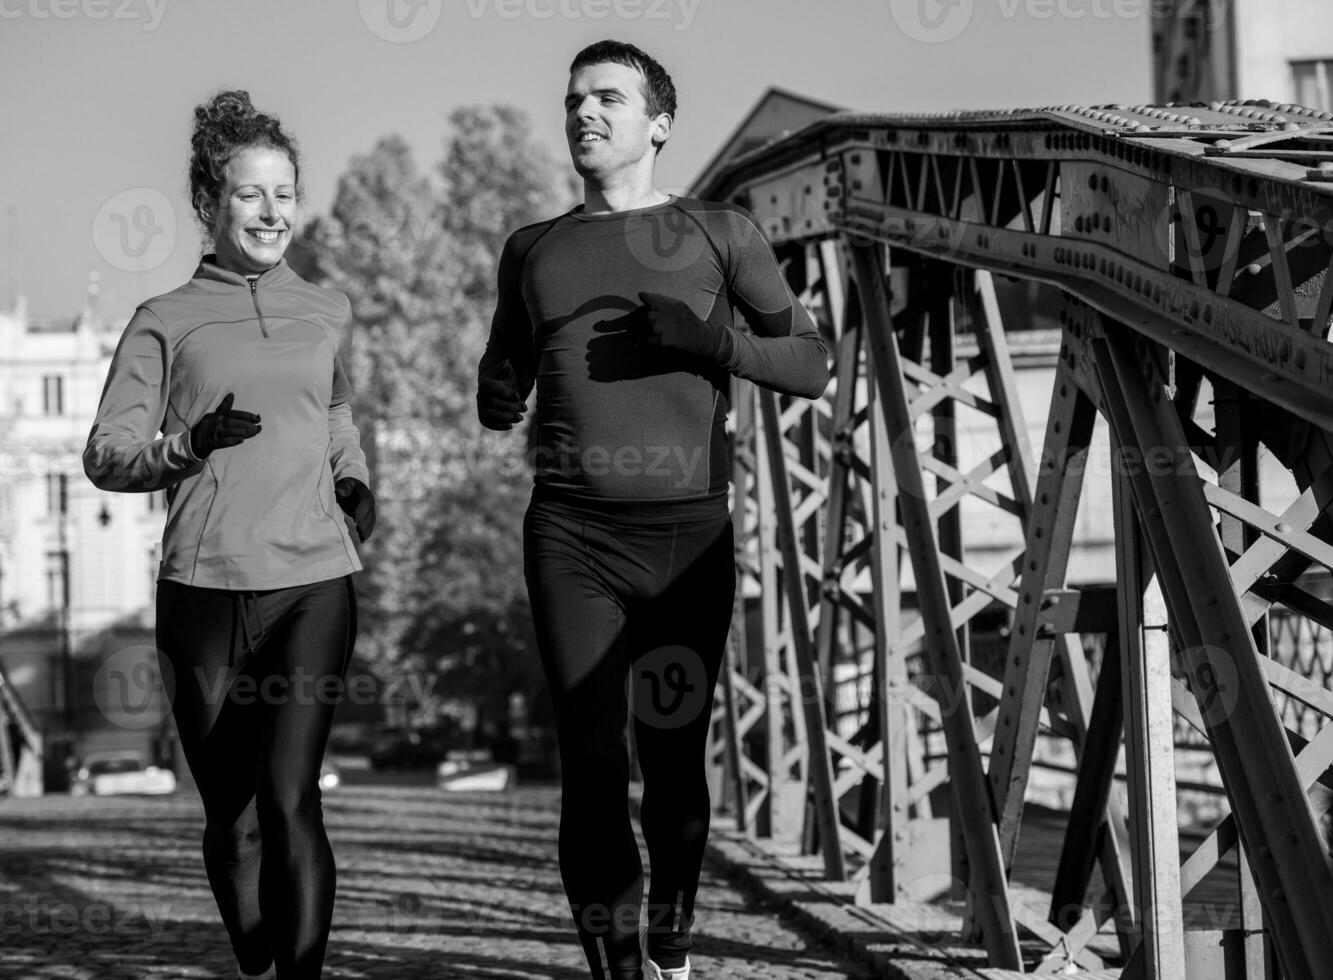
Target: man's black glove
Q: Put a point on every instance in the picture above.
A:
(499, 405)
(358, 503)
(222, 427)
(670, 324)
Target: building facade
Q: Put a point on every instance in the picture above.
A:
(1284, 51)
(77, 565)
(1280, 50)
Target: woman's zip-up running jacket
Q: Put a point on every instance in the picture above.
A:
(260, 515)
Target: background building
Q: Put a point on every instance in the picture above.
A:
(1284, 51)
(77, 565)
(1280, 50)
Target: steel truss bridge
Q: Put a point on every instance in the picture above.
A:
(20, 744)
(1191, 246)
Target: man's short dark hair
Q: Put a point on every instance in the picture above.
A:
(658, 90)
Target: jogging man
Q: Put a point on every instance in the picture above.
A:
(622, 314)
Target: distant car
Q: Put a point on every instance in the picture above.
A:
(351, 738)
(471, 771)
(113, 773)
(410, 748)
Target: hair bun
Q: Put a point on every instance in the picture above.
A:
(223, 108)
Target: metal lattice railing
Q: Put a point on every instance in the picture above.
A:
(1191, 248)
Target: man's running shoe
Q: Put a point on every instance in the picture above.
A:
(651, 971)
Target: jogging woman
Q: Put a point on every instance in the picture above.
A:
(229, 394)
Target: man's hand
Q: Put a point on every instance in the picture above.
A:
(670, 324)
(499, 405)
(358, 503)
(222, 427)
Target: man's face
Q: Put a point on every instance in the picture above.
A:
(607, 122)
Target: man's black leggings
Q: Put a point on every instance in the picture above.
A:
(256, 677)
(632, 603)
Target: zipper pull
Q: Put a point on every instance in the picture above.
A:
(254, 297)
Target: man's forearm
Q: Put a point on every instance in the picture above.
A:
(795, 365)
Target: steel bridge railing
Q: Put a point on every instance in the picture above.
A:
(1191, 246)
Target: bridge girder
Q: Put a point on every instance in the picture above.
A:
(1193, 245)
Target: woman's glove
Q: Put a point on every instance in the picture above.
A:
(358, 503)
(222, 427)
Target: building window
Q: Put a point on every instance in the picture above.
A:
(55, 580)
(53, 394)
(57, 494)
(1312, 83)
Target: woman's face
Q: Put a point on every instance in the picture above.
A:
(252, 218)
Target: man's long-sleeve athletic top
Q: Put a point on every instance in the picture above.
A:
(260, 515)
(620, 423)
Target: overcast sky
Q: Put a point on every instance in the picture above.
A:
(98, 94)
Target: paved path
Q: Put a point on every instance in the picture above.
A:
(431, 885)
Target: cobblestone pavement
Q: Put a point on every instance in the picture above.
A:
(430, 885)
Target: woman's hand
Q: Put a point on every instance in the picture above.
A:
(358, 503)
(223, 427)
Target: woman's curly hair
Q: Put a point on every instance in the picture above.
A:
(223, 126)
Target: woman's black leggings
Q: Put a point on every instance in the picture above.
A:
(632, 604)
(256, 677)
